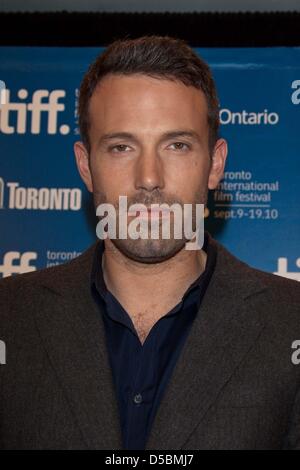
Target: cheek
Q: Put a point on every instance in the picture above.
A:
(111, 173)
(101, 174)
(189, 179)
(109, 185)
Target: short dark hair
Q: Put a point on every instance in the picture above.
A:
(162, 57)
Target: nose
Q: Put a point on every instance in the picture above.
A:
(149, 172)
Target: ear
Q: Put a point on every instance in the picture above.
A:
(82, 161)
(218, 163)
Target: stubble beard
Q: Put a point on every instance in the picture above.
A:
(150, 250)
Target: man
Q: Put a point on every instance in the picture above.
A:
(141, 343)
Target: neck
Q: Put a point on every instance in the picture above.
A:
(141, 286)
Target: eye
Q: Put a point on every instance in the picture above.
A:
(120, 147)
(180, 144)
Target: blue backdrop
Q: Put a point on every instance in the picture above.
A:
(47, 215)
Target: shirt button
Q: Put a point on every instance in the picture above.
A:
(138, 398)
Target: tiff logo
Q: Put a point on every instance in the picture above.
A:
(16, 263)
(2, 352)
(29, 115)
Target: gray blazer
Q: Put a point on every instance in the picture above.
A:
(234, 386)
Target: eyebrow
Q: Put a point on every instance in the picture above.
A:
(105, 138)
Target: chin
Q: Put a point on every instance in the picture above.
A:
(149, 251)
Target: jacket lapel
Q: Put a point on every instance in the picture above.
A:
(228, 323)
(73, 334)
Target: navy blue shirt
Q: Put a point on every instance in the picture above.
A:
(142, 371)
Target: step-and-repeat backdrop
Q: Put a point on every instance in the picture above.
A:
(46, 214)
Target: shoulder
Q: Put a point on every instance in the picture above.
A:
(57, 277)
(242, 276)
(280, 291)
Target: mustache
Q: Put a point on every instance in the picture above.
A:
(149, 201)
(153, 198)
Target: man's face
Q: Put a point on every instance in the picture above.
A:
(149, 165)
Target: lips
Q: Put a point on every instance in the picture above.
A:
(153, 213)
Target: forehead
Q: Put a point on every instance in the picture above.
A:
(140, 100)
